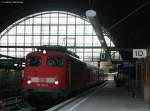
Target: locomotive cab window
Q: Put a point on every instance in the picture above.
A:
(55, 61)
(33, 61)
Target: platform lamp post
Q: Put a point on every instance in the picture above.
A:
(90, 13)
(92, 16)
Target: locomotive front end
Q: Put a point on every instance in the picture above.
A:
(45, 74)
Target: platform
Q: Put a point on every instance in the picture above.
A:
(107, 98)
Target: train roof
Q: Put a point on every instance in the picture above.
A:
(56, 48)
(92, 66)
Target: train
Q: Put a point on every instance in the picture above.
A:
(10, 75)
(56, 72)
(126, 74)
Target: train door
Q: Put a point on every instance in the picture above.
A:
(69, 74)
(73, 74)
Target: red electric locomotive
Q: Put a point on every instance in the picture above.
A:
(55, 72)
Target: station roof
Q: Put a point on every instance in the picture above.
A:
(126, 20)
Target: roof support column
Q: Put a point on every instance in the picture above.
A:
(91, 15)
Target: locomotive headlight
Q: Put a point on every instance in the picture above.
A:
(29, 81)
(44, 51)
(56, 82)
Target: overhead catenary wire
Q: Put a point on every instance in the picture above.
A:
(130, 14)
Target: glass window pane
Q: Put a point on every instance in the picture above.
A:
(79, 21)
(11, 52)
(19, 52)
(45, 40)
(57, 61)
(62, 30)
(20, 29)
(29, 21)
(107, 40)
(20, 40)
(71, 20)
(53, 28)
(88, 40)
(62, 40)
(36, 30)
(79, 40)
(36, 40)
(28, 40)
(33, 61)
(88, 30)
(37, 20)
(96, 42)
(28, 30)
(53, 40)
(45, 20)
(45, 30)
(62, 20)
(12, 31)
(54, 20)
(61, 15)
(12, 40)
(4, 40)
(54, 15)
(45, 15)
(71, 41)
(80, 30)
(71, 30)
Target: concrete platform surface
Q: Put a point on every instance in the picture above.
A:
(108, 98)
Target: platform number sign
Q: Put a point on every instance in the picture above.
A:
(139, 53)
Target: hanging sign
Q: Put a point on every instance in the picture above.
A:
(139, 53)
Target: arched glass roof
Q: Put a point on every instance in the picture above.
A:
(53, 28)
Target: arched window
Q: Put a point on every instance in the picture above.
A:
(52, 28)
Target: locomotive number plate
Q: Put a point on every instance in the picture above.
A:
(47, 80)
(50, 80)
(42, 79)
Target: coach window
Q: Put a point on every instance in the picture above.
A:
(33, 61)
(55, 61)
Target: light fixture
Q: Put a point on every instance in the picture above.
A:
(29, 81)
(56, 82)
(15, 65)
(44, 51)
(90, 13)
(23, 65)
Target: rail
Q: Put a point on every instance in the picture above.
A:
(16, 103)
(72, 99)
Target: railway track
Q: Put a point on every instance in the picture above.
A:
(9, 91)
(76, 97)
(15, 103)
